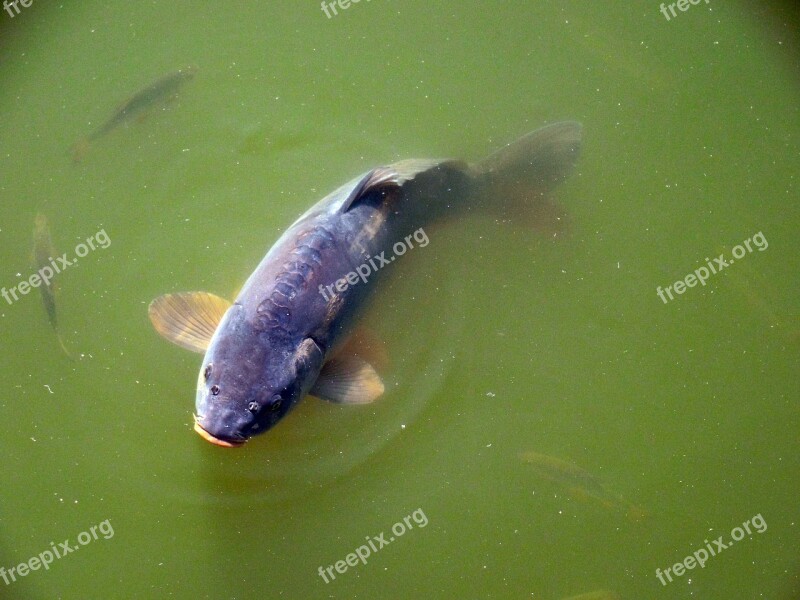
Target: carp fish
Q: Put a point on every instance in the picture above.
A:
(161, 90)
(581, 484)
(43, 253)
(288, 333)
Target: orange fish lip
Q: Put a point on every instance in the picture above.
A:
(215, 440)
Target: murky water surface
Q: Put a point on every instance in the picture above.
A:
(560, 417)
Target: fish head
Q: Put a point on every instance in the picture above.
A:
(250, 379)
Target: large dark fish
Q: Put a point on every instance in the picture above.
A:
(285, 335)
(160, 90)
(43, 253)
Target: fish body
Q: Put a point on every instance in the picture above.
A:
(565, 473)
(579, 482)
(43, 253)
(286, 334)
(160, 90)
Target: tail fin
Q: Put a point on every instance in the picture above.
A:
(63, 347)
(518, 179)
(537, 161)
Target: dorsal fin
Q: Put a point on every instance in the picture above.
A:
(375, 179)
(394, 175)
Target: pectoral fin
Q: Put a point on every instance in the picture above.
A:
(188, 319)
(365, 344)
(348, 379)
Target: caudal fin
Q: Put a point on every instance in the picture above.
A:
(63, 347)
(537, 161)
(516, 181)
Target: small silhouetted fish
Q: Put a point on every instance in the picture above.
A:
(161, 90)
(580, 483)
(43, 254)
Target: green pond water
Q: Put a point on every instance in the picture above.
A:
(501, 343)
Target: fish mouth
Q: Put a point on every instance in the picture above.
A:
(214, 439)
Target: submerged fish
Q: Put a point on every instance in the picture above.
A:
(285, 335)
(160, 90)
(43, 253)
(580, 483)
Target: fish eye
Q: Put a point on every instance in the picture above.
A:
(207, 372)
(253, 406)
(214, 390)
(275, 403)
